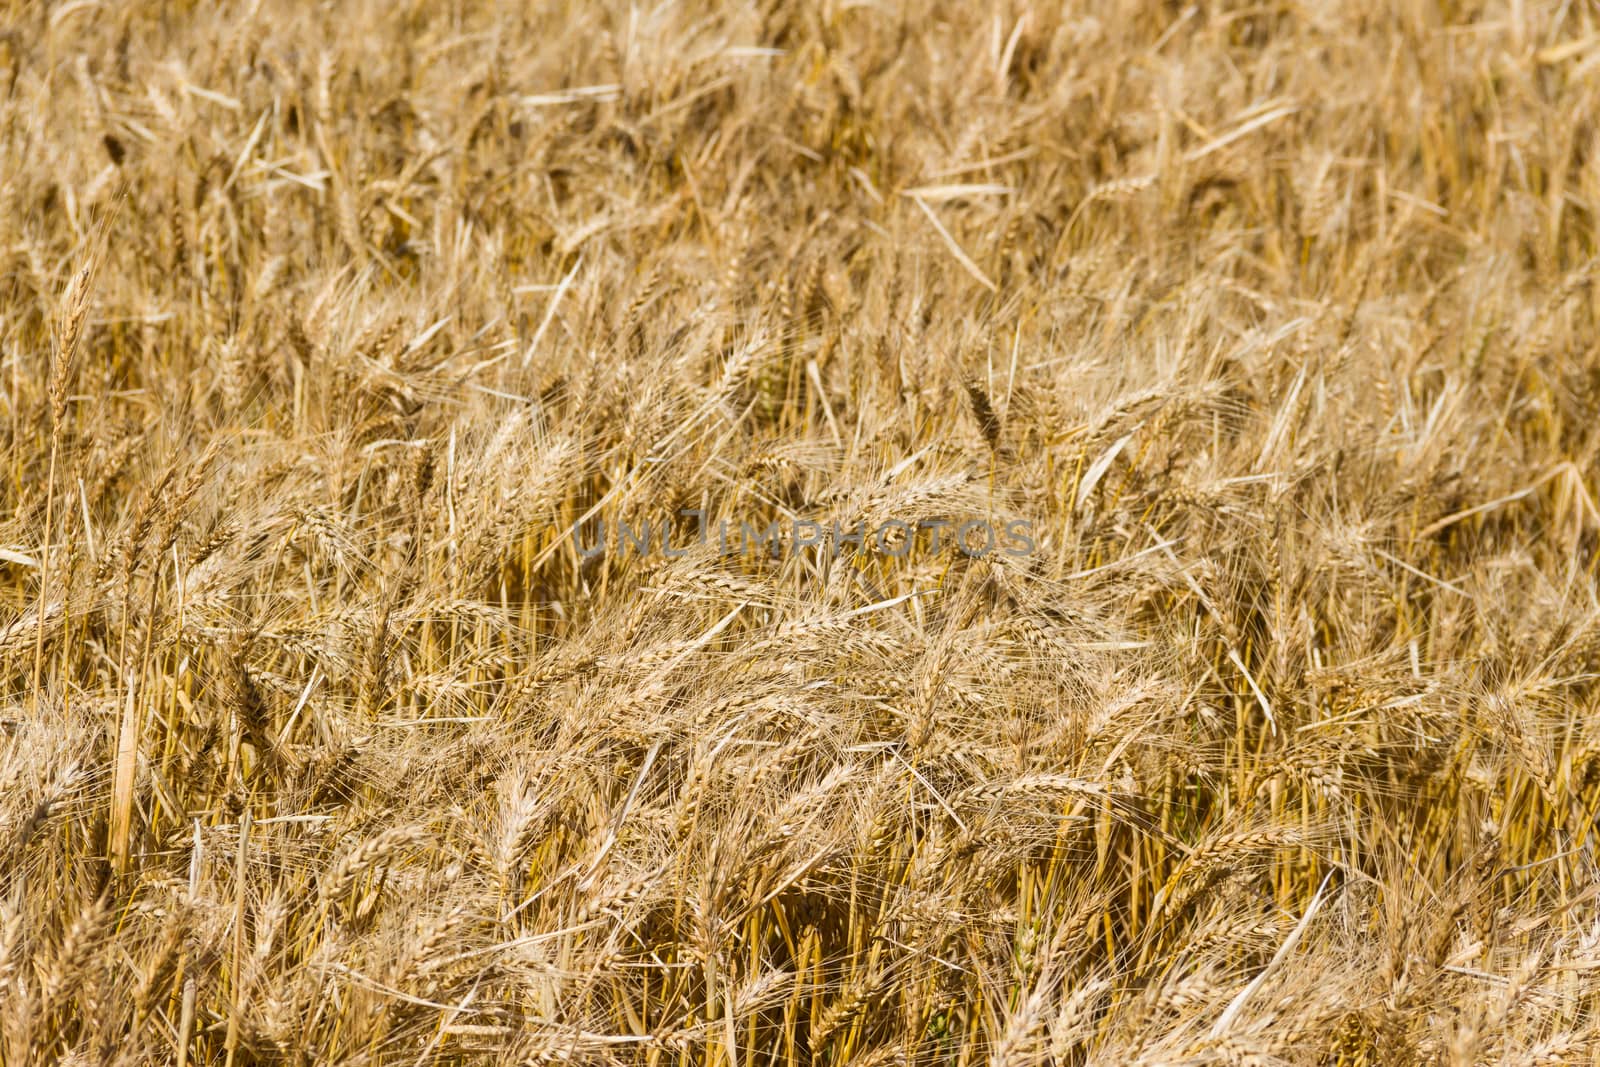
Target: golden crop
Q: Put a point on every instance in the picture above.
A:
(323, 326)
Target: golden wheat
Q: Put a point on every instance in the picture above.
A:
(333, 339)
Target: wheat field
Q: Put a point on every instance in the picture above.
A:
(382, 683)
